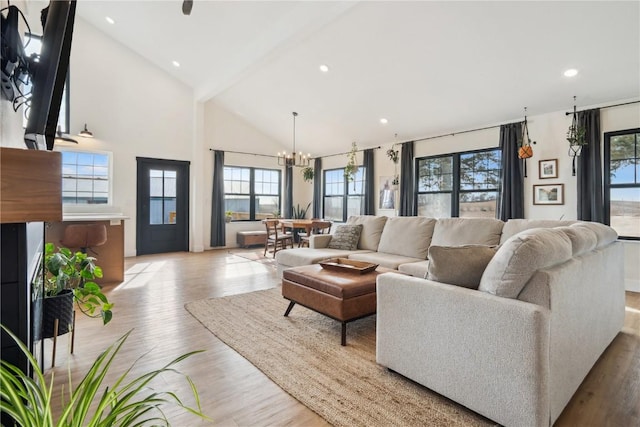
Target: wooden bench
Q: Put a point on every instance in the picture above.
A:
(248, 238)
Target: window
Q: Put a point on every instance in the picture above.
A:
(251, 193)
(459, 185)
(85, 177)
(343, 198)
(622, 182)
(33, 44)
(162, 196)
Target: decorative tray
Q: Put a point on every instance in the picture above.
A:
(348, 266)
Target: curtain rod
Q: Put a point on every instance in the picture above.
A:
(347, 152)
(243, 152)
(606, 106)
(455, 133)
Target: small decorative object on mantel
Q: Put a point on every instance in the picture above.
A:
(525, 151)
(352, 167)
(228, 216)
(308, 174)
(576, 136)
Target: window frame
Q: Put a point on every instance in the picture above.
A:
(109, 156)
(252, 193)
(346, 194)
(607, 174)
(456, 187)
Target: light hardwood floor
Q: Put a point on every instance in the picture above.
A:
(234, 392)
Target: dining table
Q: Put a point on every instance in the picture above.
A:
(297, 224)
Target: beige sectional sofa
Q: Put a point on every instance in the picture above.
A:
(516, 346)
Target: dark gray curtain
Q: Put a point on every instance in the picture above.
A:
(287, 207)
(369, 192)
(512, 195)
(406, 180)
(589, 174)
(218, 229)
(317, 188)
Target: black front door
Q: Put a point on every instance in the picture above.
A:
(162, 206)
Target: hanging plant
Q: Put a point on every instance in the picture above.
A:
(576, 136)
(308, 174)
(396, 181)
(393, 155)
(352, 167)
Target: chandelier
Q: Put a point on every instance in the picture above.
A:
(293, 158)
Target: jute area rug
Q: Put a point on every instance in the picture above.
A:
(302, 354)
(256, 255)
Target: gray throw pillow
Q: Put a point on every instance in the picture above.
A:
(459, 265)
(345, 237)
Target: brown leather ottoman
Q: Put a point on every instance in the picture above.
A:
(341, 296)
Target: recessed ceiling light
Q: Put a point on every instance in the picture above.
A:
(571, 72)
(176, 64)
(324, 68)
(384, 121)
(109, 20)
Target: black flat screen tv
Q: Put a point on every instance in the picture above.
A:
(50, 73)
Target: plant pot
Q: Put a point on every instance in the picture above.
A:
(525, 152)
(227, 219)
(58, 307)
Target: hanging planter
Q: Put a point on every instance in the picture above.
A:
(576, 137)
(526, 150)
(393, 155)
(308, 174)
(351, 168)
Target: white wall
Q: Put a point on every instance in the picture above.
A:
(133, 109)
(226, 131)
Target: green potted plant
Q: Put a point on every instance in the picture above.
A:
(300, 213)
(128, 402)
(228, 216)
(68, 278)
(308, 174)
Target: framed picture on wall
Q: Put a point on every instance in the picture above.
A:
(552, 194)
(387, 198)
(548, 168)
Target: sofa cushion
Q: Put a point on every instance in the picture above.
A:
(459, 265)
(521, 256)
(382, 259)
(415, 269)
(515, 226)
(582, 239)
(407, 235)
(371, 230)
(604, 233)
(305, 256)
(467, 231)
(346, 237)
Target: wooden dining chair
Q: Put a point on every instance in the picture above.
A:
(275, 238)
(317, 227)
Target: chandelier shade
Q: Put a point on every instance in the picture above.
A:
(294, 158)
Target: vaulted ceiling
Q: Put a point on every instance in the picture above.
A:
(428, 67)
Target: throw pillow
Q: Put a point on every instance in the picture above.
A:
(459, 265)
(346, 237)
(520, 257)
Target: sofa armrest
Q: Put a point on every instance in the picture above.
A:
(488, 353)
(319, 241)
